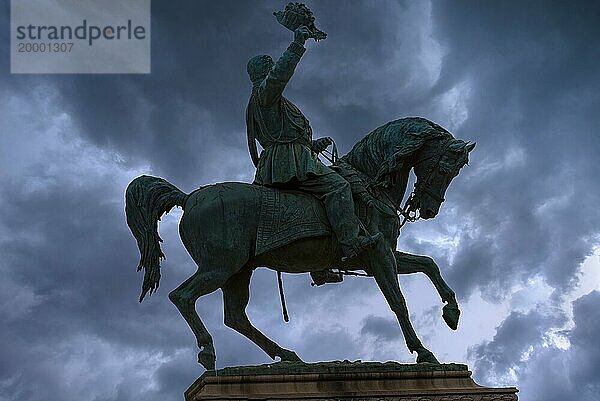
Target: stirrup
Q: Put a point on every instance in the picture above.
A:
(360, 244)
(325, 276)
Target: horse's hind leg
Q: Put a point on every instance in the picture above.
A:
(185, 296)
(236, 294)
(383, 266)
(407, 264)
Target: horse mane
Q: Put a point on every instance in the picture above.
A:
(385, 149)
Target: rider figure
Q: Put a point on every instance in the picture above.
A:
(289, 157)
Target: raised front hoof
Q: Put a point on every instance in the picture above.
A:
(289, 356)
(451, 314)
(207, 359)
(424, 355)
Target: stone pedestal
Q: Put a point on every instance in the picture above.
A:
(333, 381)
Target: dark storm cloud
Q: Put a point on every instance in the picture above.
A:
(521, 348)
(526, 207)
(585, 360)
(513, 339)
(380, 327)
(532, 111)
(528, 201)
(186, 111)
(83, 288)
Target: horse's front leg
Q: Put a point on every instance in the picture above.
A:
(407, 263)
(383, 267)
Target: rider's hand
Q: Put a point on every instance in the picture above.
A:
(321, 144)
(301, 34)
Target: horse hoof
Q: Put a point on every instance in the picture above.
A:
(289, 356)
(424, 355)
(207, 359)
(451, 314)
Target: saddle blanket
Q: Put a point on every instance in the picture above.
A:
(287, 216)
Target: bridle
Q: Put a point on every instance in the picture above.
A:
(410, 211)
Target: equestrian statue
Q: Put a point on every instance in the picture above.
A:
(300, 215)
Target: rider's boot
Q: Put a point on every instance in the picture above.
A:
(344, 222)
(360, 244)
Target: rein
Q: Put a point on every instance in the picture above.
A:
(409, 212)
(333, 155)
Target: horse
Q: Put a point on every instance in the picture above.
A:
(219, 227)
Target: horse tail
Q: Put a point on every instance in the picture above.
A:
(146, 200)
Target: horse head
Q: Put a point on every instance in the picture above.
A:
(436, 164)
(386, 155)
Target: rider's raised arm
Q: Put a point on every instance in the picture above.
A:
(272, 86)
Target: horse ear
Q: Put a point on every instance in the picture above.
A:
(470, 146)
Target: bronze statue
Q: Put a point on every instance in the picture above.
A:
(301, 216)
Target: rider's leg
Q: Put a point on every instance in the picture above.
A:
(337, 197)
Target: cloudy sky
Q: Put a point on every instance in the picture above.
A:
(518, 238)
